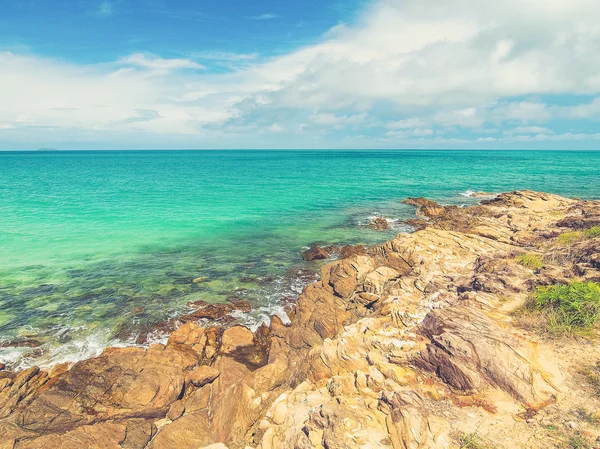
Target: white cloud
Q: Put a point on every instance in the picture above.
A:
(405, 69)
(336, 120)
(264, 17)
(405, 124)
(156, 63)
(225, 56)
(528, 130)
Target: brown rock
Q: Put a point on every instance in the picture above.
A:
(379, 224)
(187, 334)
(128, 382)
(198, 400)
(25, 343)
(425, 207)
(236, 338)
(348, 251)
(240, 304)
(203, 375)
(99, 436)
(209, 311)
(471, 353)
(2, 366)
(191, 431)
(176, 410)
(315, 253)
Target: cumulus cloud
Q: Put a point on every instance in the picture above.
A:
(411, 70)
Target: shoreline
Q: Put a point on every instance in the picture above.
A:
(368, 345)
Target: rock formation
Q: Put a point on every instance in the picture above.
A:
(406, 345)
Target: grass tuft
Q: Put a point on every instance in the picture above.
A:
(592, 232)
(592, 375)
(568, 238)
(567, 309)
(579, 441)
(531, 261)
(472, 441)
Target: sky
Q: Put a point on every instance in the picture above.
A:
(170, 74)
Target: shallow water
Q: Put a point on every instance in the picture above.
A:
(96, 247)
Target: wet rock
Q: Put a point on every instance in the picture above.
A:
(24, 343)
(208, 311)
(2, 366)
(425, 207)
(379, 224)
(239, 304)
(348, 251)
(315, 253)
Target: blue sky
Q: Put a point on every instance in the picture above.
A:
(108, 74)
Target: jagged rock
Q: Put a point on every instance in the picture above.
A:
(315, 253)
(207, 311)
(236, 338)
(379, 224)
(203, 375)
(188, 432)
(122, 383)
(470, 352)
(426, 208)
(349, 251)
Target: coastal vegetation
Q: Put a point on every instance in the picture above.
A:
(531, 261)
(567, 308)
(571, 237)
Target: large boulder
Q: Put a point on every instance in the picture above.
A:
(471, 353)
(121, 383)
(315, 253)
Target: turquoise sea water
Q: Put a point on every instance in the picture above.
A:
(98, 247)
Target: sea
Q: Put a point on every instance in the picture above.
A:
(100, 247)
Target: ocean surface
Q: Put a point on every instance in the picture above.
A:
(97, 248)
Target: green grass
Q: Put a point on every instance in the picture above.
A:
(568, 308)
(531, 261)
(568, 238)
(472, 441)
(579, 441)
(592, 232)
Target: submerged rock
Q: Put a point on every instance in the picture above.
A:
(315, 253)
(379, 224)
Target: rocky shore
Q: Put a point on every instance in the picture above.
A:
(407, 345)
